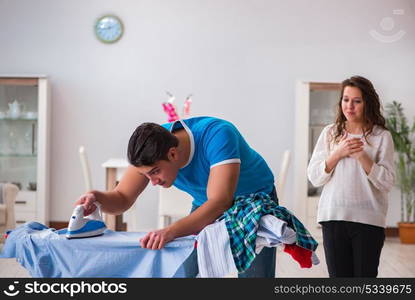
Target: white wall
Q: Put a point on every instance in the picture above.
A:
(241, 60)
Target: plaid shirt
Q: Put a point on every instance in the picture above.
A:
(242, 221)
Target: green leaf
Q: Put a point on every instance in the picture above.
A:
(403, 137)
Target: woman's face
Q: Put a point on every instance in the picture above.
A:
(352, 104)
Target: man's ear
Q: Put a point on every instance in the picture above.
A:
(173, 154)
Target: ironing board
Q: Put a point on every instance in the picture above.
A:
(45, 252)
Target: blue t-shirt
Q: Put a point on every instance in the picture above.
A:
(215, 142)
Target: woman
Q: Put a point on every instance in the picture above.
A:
(353, 160)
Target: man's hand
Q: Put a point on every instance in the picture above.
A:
(157, 239)
(87, 200)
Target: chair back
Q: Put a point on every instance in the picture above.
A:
(85, 169)
(282, 175)
(173, 203)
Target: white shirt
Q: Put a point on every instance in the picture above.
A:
(349, 194)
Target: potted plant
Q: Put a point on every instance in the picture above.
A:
(404, 139)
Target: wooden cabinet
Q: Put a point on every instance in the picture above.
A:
(24, 143)
(315, 108)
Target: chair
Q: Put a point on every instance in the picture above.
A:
(85, 169)
(112, 222)
(8, 194)
(173, 204)
(280, 183)
(282, 175)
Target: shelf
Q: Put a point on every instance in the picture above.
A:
(25, 81)
(18, 119)
(325, 86)
(319, 125)
(17, 155)
(314, 198)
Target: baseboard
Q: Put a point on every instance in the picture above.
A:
(61, 225)
(392, 231)
(58, 224)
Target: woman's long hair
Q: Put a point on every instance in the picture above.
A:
(371, 110)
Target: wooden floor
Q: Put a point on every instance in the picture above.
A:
(397, 260)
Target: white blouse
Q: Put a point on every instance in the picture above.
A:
(349, 194)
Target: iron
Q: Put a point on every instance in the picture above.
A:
(81, 226)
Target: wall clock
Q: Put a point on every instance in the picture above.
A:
(109, 29)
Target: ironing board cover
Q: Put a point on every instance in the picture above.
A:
(46, 252)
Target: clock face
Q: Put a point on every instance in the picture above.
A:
(109, 29)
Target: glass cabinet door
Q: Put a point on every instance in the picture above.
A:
(18, 135)
(322, 112)
(24, 122)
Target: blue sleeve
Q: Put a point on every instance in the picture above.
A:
(166, 125)
(222, 144)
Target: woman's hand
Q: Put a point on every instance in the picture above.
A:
(349, 147)
(157, 239)
(358, 155)
(364, 159)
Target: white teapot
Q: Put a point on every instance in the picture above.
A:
(15, 109)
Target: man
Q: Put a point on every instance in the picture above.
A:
(205, 157)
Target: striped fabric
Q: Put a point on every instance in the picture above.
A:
(242, 221)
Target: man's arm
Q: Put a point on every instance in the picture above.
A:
(222, 183)
(121, 198)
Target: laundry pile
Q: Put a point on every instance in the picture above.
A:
(214, 254)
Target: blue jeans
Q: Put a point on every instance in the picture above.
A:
(263, 265)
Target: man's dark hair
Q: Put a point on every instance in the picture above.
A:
(150, 143)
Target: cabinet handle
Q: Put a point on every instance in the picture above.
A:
(20, 202)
